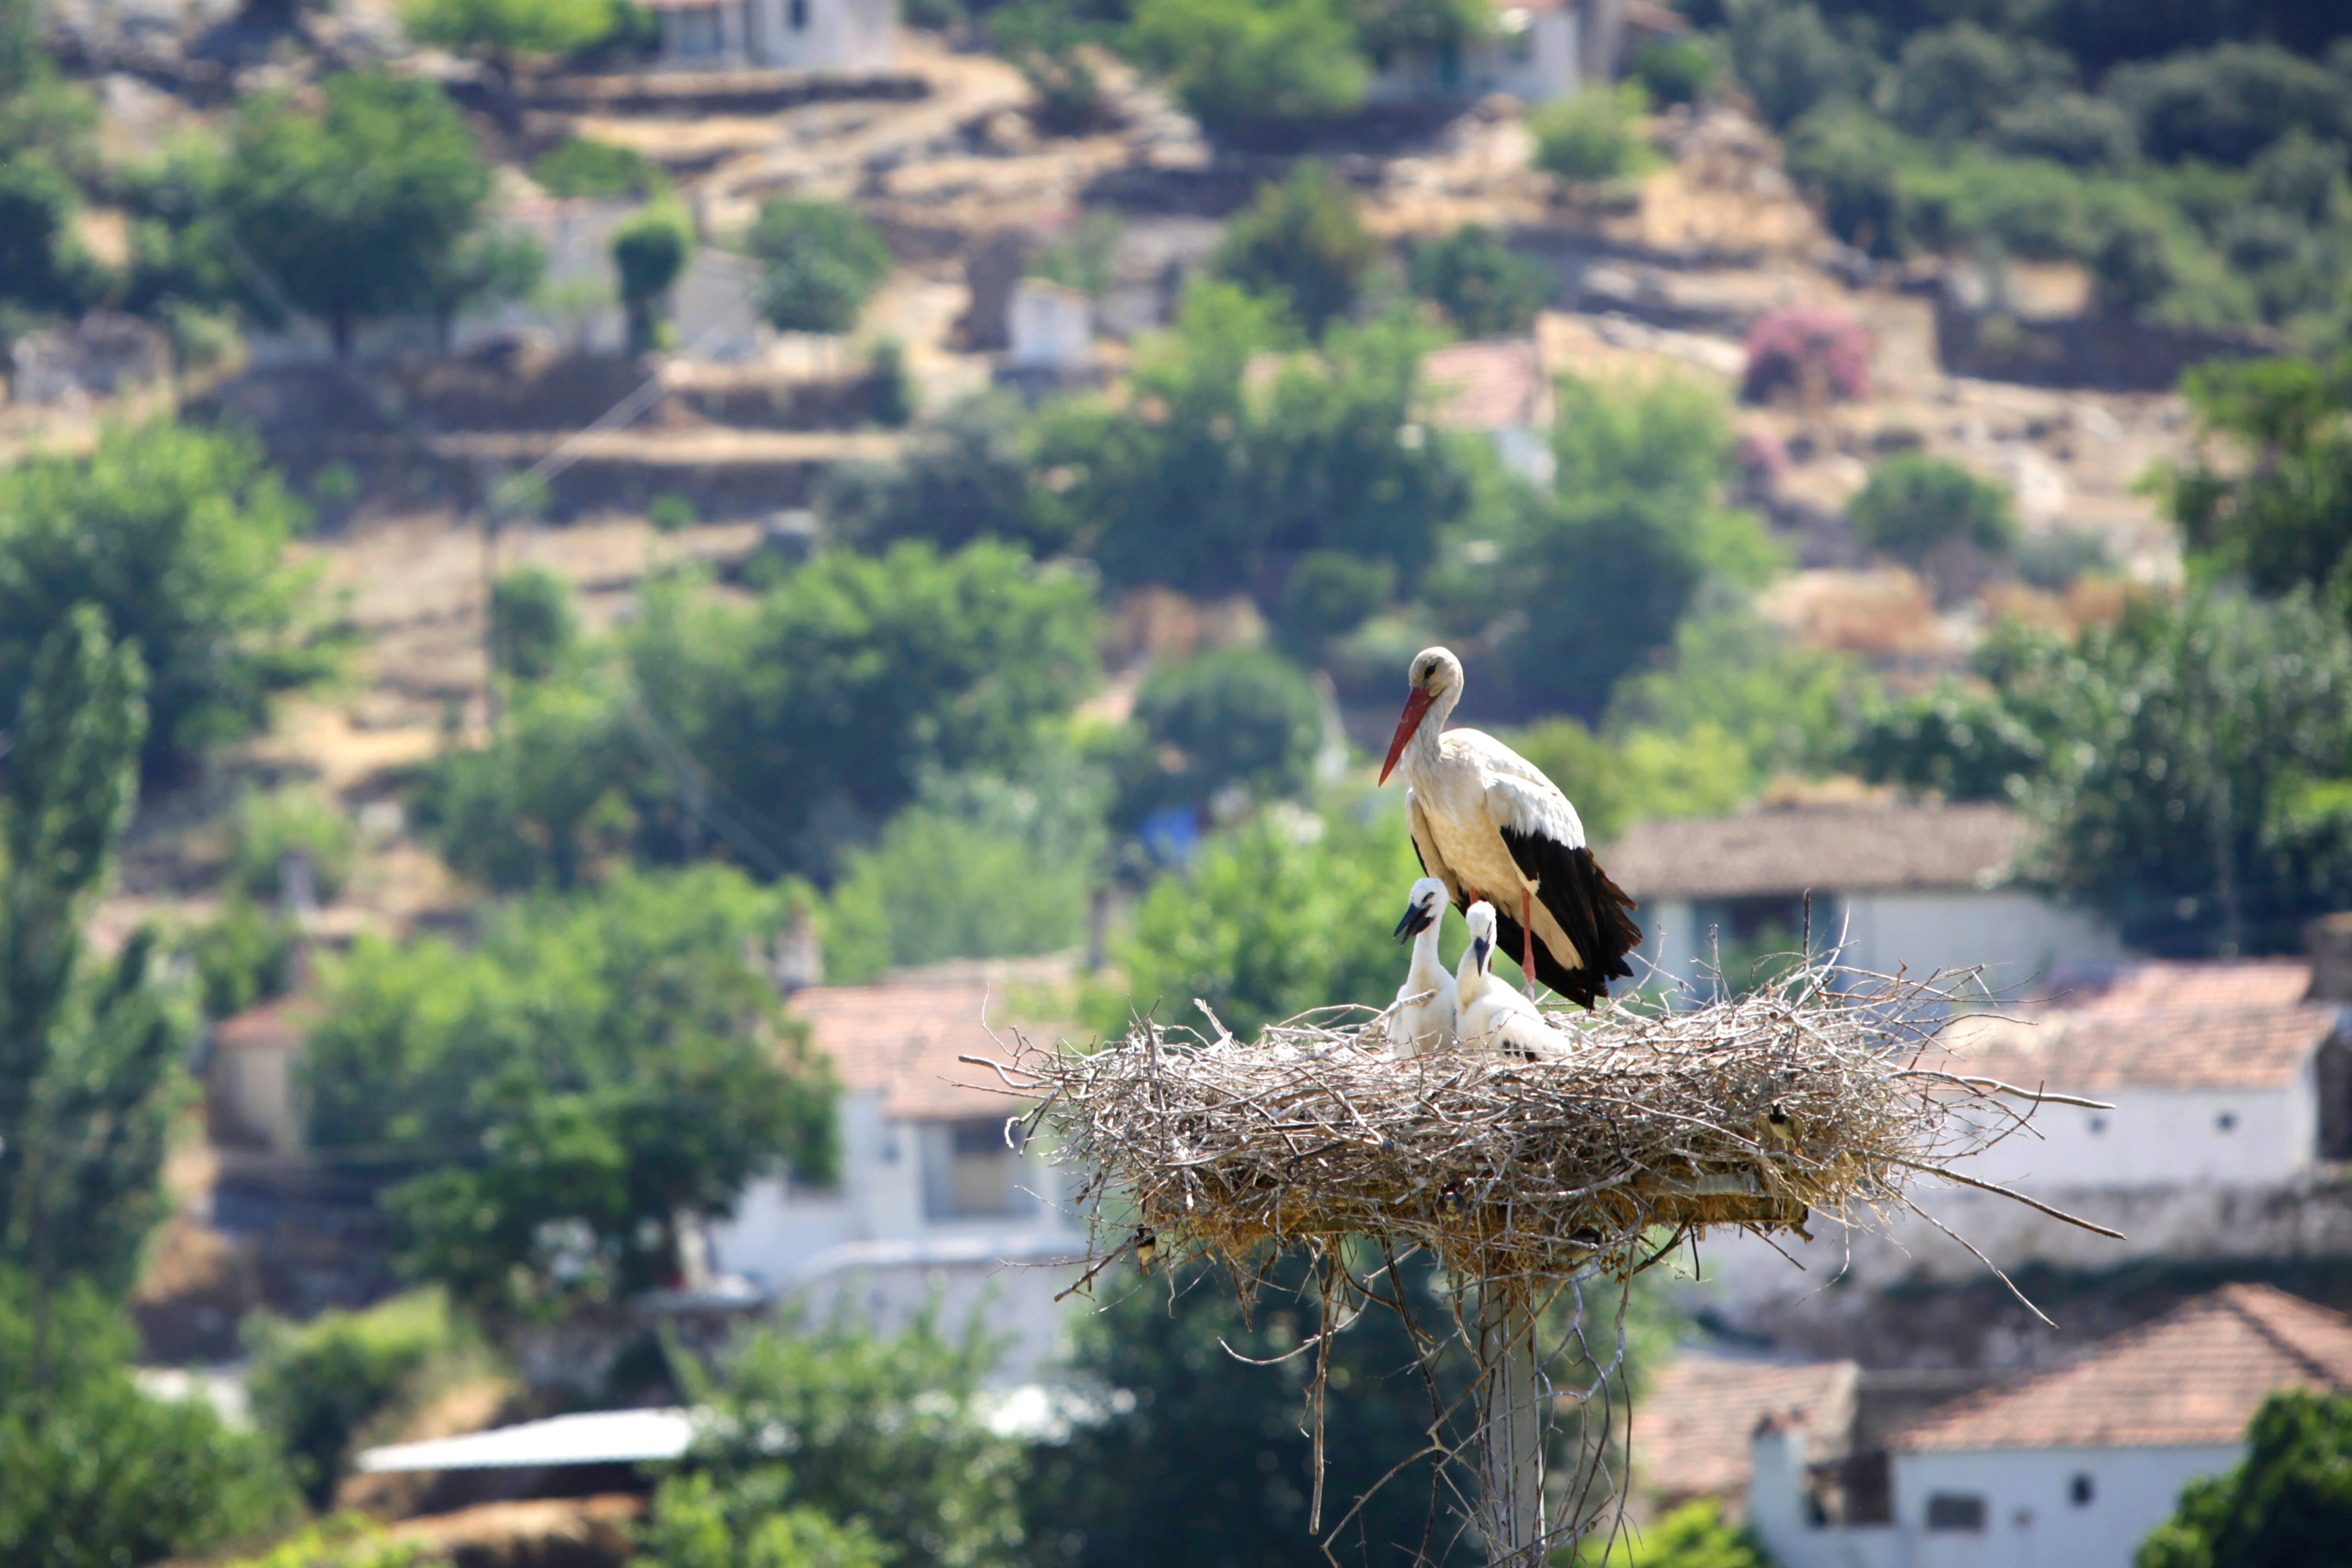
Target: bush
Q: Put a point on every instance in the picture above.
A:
(1914, 507)
(1792, 64)
(1951, 81)
(2227, 103)
(1810, 351)
(272, 826)
(1962, 744)
(1300, 242)
(1675, 70)
(1593, 136)
(316, 1386)
(1244, 67)
(43, 267)
(2287, 1505)
(1239, 718)
(580, 167)
(346, 1540)
(1854, 162)
(696, 1523)
(2276, 508)
(649, 254)
(2070, 128)
(534, 625)
(894, 385)
(242, 959)
(822, 261)
(499, 30)
(1484, 287)
(963, 478)
(179, 536)
(670, 512)
(1330, 593)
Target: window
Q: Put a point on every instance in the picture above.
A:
(2227, 1121)
(2081, 1490)
(970, 1172)
(1955, 1510)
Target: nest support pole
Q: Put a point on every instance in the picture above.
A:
(1510, 1409)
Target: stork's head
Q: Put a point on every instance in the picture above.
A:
(1423, 908)
(1480, 918)
(1434, 676)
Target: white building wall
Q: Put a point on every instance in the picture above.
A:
(1052, 327)
(2157, 1137)
(823, 34)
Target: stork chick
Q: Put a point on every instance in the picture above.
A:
(1422, 1019)
(1488, 1015)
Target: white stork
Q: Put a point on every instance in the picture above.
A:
(1491, 1017)
(1487, 823)
(1417, 1028)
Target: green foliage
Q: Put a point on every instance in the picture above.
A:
(1046, 41)
(962, 479)
(1487, 289)
(822, 260)
(2288, 1505)
(1594, 135)
(670, 512)
(1676, 70)
(1330, 593)
(2227, 103)
(1211, 476)
(1916, 508)
(101, 1474)
(578, 166)
(2071, 127)
(887, 1441)
(1300, 242)
(1082, 258)
(43, 267)
(1245, 67)
(612, 1064)
(895, 390)
(1640, 775)
(978, 867)
(1597, 576)
(534, 625)
(2275, 508)
(269, 826)
(501, 30)
(698, 1523)
(179, 536)
(1283, 913)
(344, 1541)
(243, 958)
(1791, 63)
(1963, 743)
(487, 269)
(356, 210)
(315, 1386)
(554, 802)
(1694, 1535)
(1952, 81)
(649, 254)
(1235, 719)
(1386, 28)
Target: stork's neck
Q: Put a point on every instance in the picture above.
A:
(1420, 752)
(1425, 970)
(1469, 980)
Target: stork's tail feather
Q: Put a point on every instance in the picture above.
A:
(1593, 912)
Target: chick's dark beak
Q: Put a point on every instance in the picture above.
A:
(1417, 919)
(1482, 947)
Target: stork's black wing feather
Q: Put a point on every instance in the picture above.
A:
(1593, 912)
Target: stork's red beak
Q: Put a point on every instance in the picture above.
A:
(1416, 703)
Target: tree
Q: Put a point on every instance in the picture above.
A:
(353, 211)
(1953, 80)
(890, 1460)
(578, 166)
(594, 1074)
(499, 31)
(2227, 103)
(1300, 242)
(1591, 136)
(1694, 1535)
(2276, 507)
(1926, 512)
(101, 1474)
(1250, 68)
(2287, 1505)
(650, 253)
(1487, 287)
(822, 261)
(534, 624)
(1235, 719)
(1791, 63)
(43, 267)
(179, 536)
(964, 477)
(485, 269)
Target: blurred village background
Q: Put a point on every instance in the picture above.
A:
(591, 593)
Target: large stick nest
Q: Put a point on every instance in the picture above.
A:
(1821, 1092)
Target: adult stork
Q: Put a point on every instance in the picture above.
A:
(1421, 1020)
(1491, 1017)
(1487, 823)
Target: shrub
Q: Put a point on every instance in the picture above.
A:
(273, 825)
(1854, 162)
(822, 260)
(1480, 283)
(1951, 81)
(2287, 1505)
(578, 166)
(963, 478)
(43, 267)
(2070, 128)
(1593, 135)
(499, 30)
(534, 626)
(1301, 242)
(1675, 70)
(315, 1386)
(697, 1522)
(1812, 352)
(1330, 592)
(242, 959)
(1247, 67)
(1914, 506)
(894, 385)
(2229, 102)
(649, 254)
(1239, 718)
(670, 512)
(1792, 64)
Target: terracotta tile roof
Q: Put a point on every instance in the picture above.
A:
(1693, 1429)
(2194, 1376)
(1488, 386)
(1826, 849)
(900, 1038)
(284, 1023)
(2159, 1025)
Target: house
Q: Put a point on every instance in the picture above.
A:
(2074, 1465)
(1496, 388)
(250, 1099)
(793, 34)
(1051, 325)
(1538, 51)
(938, 1199)
(1921, 887)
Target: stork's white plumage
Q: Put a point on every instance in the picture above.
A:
(1487, 823)
(1491, 1017)
(1422, 1018)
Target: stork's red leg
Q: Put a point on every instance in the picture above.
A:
(1528, 939)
